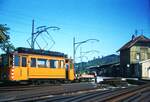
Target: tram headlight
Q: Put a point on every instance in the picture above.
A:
(12, 70)
(12, 73)
(12, 77)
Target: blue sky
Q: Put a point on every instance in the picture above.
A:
(112, 22)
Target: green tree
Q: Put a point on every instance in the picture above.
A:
(4, 33)
(5, 44)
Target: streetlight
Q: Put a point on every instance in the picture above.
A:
(77, 44)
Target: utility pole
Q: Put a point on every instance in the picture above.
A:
(32, 35)
(77, 44)
(74, 50)
(81, 59)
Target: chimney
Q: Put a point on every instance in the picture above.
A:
(133, 37)
(135, 34)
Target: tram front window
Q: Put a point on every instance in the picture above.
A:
(17, 60)
(24, 61)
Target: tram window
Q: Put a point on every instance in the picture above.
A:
(17, 60)
(54, 64)
(62, 64)
(41, 63)
(33, 62)
(24, 62)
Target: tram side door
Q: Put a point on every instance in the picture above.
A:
(24, 68)
(67, 71)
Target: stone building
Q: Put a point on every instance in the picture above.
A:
(131, 54)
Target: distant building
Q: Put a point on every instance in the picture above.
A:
(108, 66)
(133, 52)
(107, 60)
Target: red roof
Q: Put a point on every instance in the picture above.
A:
(129, 44)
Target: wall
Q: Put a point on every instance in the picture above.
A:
(145, 69)
(142, 51)
(124, 61)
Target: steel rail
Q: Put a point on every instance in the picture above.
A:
(71, 97)
(21, 87)
(38, 93)
(74, 94)
(124, 94)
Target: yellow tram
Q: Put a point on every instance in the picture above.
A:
(28, 64)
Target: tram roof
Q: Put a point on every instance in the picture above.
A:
(40, 52)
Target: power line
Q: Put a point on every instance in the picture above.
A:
(19, 15)
(15, 13)
(10, 18)
(17, 31)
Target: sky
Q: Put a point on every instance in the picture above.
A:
(112, 22)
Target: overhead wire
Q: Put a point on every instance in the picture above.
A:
(15, 16)
(12, 17)
(22, 15)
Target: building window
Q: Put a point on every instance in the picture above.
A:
(138, 56)
(24, 62)
(17, 60)
(148, 55)
(144, 53)
(54, 64)
(33, 62)
(41, 63)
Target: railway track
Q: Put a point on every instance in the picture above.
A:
(22, 88)
(44, 91)
(132, 94)
(80, 93)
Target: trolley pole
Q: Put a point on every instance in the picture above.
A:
(74, 50)
(40, 30)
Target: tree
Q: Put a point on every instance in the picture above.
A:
(5, 44)
(3, 33)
